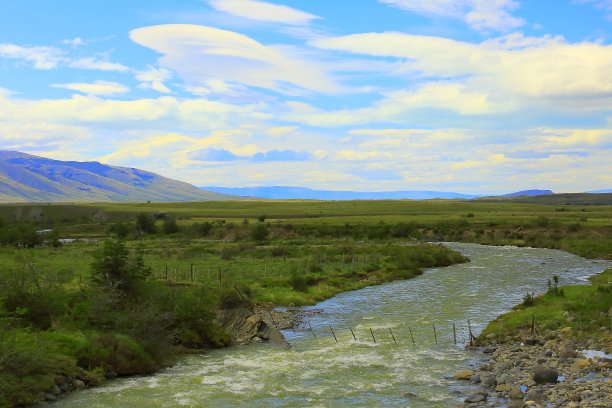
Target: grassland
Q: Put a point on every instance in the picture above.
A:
(201, 256)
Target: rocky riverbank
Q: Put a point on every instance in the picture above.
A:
(552, 370)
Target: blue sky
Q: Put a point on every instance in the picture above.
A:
(475, 96)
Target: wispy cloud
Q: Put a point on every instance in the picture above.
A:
(264, 11)
(483, 15)
(224, 155)
(40, 57)
(105, 88)
(45, 58)
(199, 54)
(154, 78)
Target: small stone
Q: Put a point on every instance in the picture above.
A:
(503, 388)
(489, 349)
(50, 397)
(478, 397)
(516, 393)
(535, 395)
(78, 384)
(409, 395)
(544, 375)
(487, 380)
(475, 379)
(463, 375)
(567, 353)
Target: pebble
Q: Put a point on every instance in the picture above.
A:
(526, 374)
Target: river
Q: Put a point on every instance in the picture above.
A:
(320, 372)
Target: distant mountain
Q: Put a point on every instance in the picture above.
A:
(529, 193)
(287, 193)
(26, 178)
(609, 190)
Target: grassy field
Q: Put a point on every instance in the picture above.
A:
(185, 260)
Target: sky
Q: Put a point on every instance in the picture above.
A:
(472, 96)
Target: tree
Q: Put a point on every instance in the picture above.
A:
(170, 226)
(116, 266)
(145, 223)
(259, 232)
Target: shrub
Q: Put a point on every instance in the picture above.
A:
(259, 232)
(170, 226)
(145, 224)
(528, 299)
(114, 265)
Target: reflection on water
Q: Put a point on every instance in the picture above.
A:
(320, 372)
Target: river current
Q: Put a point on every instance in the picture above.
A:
(393, 371)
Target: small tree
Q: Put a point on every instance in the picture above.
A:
(170, 226)
(145, 223)
(116, 266)
(259, 232)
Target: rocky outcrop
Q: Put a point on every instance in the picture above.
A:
(246, 327)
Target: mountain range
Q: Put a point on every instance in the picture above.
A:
(25, 178)
(28, 178)
(302, 193)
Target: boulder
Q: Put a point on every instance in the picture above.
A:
(476, 397)
(544, 375)
(463, 375)
(536, 395)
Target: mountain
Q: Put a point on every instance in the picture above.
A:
(25, 178)
(288, 193)
(609, 190)
(529, 193)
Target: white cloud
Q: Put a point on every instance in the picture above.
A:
(154, 78)
(479, 14)
(263, 11)
(41, 57)
(74, 42)
(199, 54)
(104, 88)
(495, 76)
(96, 64)
(45, 58)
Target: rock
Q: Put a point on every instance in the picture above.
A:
(78, 384)
(409, 395)
(490, 336)
(463, 375)
(516, 393)
(477, 397)
(489, 349)
(245, 326)
(59, 380)
(50, 397)
(544, 375)
(535, 395)
(475, 379)
(488, 380)
(568, 353)
(503, 388)
(582, 362)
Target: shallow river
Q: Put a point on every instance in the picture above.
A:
(321, 372)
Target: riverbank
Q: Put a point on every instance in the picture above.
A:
(552, 350)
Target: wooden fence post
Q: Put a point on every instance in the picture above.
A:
(411, 336)
(435, 335)
(332, 332)
(354, 338)
(373, 338)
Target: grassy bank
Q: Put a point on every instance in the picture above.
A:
(582, 311)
